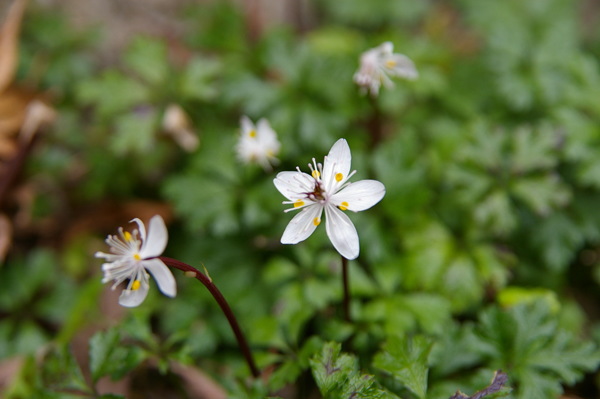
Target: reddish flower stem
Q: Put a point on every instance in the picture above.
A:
(212, 288)
(346, 284)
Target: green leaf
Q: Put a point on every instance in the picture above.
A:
(108, 356)
(134, 133)
(406, 360)
(337, 376)
(148, 59)
(527, 342)
(198, 79)
(60, 372)
(112, 92)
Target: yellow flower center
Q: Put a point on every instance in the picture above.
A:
(252, 133)
(316, 221)
(137, 257)
(136, 285)
(390, 63)
(298, 203)
(343, 206)
(316, 174)
(339, 176)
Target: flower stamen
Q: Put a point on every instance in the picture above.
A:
(343, 206)
(135, 285)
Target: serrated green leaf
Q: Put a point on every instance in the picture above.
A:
(108, 356)
(147, 58)
(198, 79)
(60, 372)
(112, 92)
(134, 133)
(406, 360)
(528, 344)
(337, 376)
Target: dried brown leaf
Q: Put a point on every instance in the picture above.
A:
(13, 111)
(9, 43)
(178, 125)
(37, 115)
(5, 236)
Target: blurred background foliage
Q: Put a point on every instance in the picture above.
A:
(483, 255)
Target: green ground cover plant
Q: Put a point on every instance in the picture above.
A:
(479, 265)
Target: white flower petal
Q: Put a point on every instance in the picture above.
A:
(247, 125)
(155, 243)
(403, 67)
(341, 232)
(132, 298)
(163, 276)
(359, 195)
(302, 225)
(294, 185)
(385, 48)
(141, 228)
(265, 132)
(337, 161)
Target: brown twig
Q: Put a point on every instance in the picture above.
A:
(212, 288)
(14, 168)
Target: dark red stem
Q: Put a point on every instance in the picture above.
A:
(212, 288)
(345, 281)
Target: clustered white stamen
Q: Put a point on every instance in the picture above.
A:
(132, 256)
(258, 143)
(328, 189)
(378, 64)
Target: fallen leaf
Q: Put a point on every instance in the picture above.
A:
(177, 124)
(5, 237)
(13, 110)
(9, 43)
(37, 115)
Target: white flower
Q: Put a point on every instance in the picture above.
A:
(379, 63)
(132, 257)
(327, 188)
(258, 143)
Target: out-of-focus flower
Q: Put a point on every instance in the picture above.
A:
(327, 188)
(177, 124)
(132, 256)
(378, 64)
(258, 144)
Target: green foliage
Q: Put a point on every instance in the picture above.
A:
(483, 254)
(109, 357)
(527, 342)
(406, 360)
(337, 376)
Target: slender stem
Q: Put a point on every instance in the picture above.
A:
(345, 281)
(212, 288)
(14, 168)
(375, 123)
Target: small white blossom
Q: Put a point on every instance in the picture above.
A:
(258, 144)
(327, 188)
(132, 256)
(378, 64)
